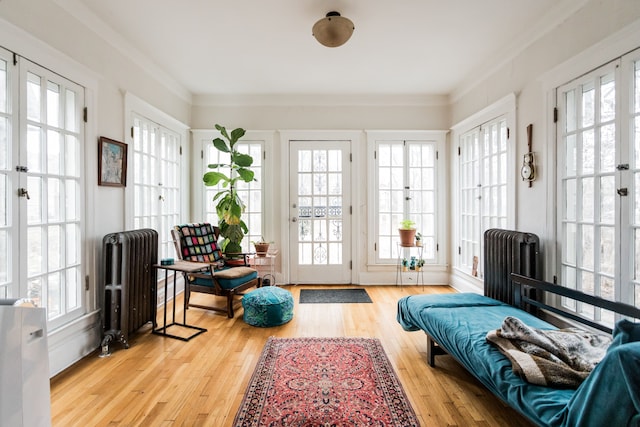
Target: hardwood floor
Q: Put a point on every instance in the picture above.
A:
(161, 381)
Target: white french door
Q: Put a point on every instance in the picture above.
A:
(41, 177)
(320, 212)
(599, 185)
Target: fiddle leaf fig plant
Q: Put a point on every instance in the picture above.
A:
(230, 206)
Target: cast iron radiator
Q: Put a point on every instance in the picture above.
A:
(506, 252)
(129, 284)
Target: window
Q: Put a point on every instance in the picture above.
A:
(482, 160)
(406, 187)
(598, 156)
(251, 193)
(483, 184)
(41, 176)
(156, 180)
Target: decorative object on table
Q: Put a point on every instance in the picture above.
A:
(292, 386)
(418, 239)
(334, 296)
(407, 232)
(528, 170)
(112, 163)
(333, 30)
(262, 247)
(230, 206)
(267, 306)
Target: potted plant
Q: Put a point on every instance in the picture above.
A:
(407, 232)
(230, 207)
(419, 264)
(405, 264)
(262, 247)
(418, 239)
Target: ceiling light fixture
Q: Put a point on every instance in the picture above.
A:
(333, 30)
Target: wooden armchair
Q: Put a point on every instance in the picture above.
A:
(199, 243)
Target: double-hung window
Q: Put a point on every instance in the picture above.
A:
(405, 186)
(41, 182)
(598, 154)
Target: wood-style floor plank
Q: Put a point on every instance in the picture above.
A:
(162, 381)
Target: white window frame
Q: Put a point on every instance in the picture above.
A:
(159, 205)
(437, 138)
(134, 106)
(506, 108)
(624, 287)
(54, 213)
(204, 210)
(69, 342)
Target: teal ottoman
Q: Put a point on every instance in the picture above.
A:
(267, 306)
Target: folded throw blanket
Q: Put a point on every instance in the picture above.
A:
(555, 358)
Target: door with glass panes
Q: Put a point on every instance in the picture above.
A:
(599, 185)
(320, 203)
(41, 221)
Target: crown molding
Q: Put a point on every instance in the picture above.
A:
(319, 100)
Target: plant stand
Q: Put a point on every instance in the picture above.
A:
(405, 252)
(265, 265)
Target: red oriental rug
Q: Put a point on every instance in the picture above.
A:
(324, 382)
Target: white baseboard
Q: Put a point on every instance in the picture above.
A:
(463, 282)
(69, 344)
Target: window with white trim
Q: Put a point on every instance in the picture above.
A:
(156, 180)
(406, 187)
(598, 154)
(482, 166)
(251, 193)
(41, 176)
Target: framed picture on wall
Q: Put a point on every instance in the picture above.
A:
(112, 163)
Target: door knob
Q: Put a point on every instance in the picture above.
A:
(22, 192)
(294, 219)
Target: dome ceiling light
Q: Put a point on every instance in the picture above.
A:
(333, 30)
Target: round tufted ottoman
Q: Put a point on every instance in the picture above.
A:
(267, 306)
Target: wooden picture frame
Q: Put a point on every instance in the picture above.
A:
(112, 163)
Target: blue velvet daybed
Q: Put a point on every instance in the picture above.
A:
(458, 325)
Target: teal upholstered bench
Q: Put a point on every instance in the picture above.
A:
(267, 306)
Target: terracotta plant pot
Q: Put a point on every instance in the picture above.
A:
(261, 248)
(407, 236)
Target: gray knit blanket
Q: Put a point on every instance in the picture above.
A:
(560, 358)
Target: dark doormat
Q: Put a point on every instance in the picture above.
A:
(333, 296)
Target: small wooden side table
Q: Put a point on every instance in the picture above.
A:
(183, 267)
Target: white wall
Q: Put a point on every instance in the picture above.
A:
(597, 33)
(322, 112)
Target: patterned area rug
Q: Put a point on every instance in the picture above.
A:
(324, 382)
